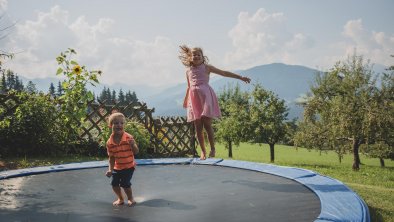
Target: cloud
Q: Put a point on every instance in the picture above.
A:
(263, 38)
(3, 5)
(121, 58)
(377, 46)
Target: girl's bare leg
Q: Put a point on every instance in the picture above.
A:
(200, 137)
(118, 193)
(129, 194)
(207, 123)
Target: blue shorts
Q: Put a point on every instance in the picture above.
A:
(122, 178)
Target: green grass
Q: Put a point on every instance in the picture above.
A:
(372, 182)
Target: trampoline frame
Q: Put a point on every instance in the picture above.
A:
(338, 202)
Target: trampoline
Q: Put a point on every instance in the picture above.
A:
(179, 189)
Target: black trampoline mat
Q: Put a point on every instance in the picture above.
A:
(170, 193)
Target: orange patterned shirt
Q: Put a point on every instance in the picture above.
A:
(124, 156)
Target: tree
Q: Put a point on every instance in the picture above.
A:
(10, 80)
(334, 115)
(52, 90)
(3, 85)
(59, 89)
(233, 127)
(131, 97)
(380, 120)
(113, 97)
(268, 115)
(121, 98)
(103, 95)
(31, 87)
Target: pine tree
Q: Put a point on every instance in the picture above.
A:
(52, 90)
(121, 98)
(59, 90)
(113, 97)
(131, 97)
(18, 84)
(31, 87)
(3, 85)
(10, 81)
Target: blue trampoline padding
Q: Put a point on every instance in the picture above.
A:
(338, 202)
(49, 169)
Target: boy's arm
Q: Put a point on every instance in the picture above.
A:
(111, 164)
(134, 147)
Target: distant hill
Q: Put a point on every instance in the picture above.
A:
(287, 81)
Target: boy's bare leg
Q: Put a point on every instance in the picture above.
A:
(118, 193)
(130, 199)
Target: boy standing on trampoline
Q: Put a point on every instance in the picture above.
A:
(121, 148)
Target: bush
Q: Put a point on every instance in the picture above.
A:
(35, 128)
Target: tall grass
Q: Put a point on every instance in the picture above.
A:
(372, 182)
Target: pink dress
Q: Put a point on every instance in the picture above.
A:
(202, 100)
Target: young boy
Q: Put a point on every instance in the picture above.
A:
(121, 149)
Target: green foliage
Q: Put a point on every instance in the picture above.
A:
(35, 128)
(38, 125)
(136, 129)
(233, 127)
(258, 117)
(10, 81)
(291, 128)
(380, 120)
(268, 116)
(336, 114)
(75, 96)
(122, 99)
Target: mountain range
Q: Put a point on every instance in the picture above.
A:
(288, 82)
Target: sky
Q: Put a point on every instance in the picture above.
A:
(137, 42)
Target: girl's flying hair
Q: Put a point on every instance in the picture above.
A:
(186, 55)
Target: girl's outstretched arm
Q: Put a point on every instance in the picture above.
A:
(228, 74)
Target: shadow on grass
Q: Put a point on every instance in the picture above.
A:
(376, 215)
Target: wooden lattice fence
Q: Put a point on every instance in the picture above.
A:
(169, 136)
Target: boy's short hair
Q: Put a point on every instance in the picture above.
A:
(114, 116)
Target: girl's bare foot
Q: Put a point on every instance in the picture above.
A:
(202, 156)
(131, 203)
(212, 153)
(118, 202)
